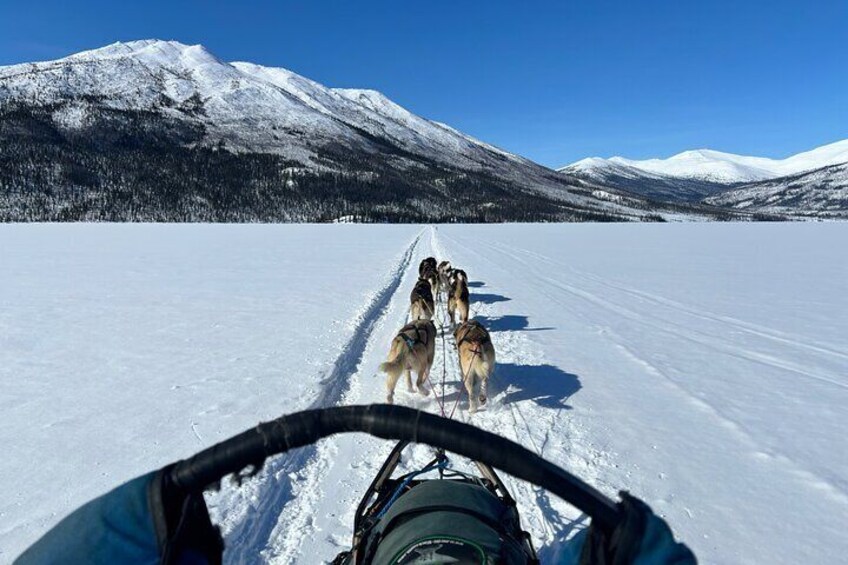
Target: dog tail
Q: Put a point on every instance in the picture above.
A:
(416, 309)
(485, 367)
(462, 306)
(483, 364)
(397, 358)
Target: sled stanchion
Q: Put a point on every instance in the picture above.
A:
(252, 447)
(385, 474)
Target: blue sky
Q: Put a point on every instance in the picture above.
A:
(554, 81)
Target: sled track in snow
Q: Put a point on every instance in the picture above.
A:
(663, 326)
(551, 520)
(738, 325)
(273, 486)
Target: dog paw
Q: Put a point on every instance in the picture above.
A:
(424, 391)
(390, 399)
(482, 399)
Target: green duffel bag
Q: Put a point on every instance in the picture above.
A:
(448, 521)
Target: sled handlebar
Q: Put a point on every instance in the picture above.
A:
(385, 421)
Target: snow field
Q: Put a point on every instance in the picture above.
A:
(700, 366)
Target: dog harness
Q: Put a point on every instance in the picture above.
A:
(410, 341)
(473, 332)
(423, 290)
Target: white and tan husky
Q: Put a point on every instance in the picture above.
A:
(476, 359)
(458, 301)
(412, 349)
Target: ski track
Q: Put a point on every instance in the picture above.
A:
(767, 333)
(682, 331)
(808, 477)
(550, 521)
(283, 480)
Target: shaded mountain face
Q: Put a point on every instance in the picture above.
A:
(158, 130)
(637, 181)
(734, 181)
(822, 193)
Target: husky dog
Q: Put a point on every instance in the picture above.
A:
(421, 304)
(458, 274)
(458, 301)
(428, 263)
(444, 269)
(432, 278)
(476, 359)
(412, 349)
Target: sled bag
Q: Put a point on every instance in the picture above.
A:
(446, 521)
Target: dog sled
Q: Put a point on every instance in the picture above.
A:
(452, 517)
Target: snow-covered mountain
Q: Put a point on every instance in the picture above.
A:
(154, 94)
(718, 167)
(277, 105)
(706, 174)
(615, 172)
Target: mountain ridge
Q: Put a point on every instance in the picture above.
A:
(148, 95)
(686, 164)
(807, 184)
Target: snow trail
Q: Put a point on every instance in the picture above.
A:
(528, 404)
(282, 479)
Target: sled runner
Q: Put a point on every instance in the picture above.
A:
(161, 517)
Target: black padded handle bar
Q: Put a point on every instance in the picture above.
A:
(390, 422)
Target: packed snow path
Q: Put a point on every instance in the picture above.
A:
(702, 367)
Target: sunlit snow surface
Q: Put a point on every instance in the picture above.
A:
(704, 367)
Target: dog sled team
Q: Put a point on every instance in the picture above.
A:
(414, 346)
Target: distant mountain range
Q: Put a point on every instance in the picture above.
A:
(159, 130)
(812, 183)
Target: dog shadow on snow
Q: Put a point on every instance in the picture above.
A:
(488, 298)
(545, 385)
(509, 323)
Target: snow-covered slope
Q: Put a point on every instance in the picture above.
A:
(229, 98)
(701, 366)
(179, 80)
(822, 193)
(825, 156)
(654, 185)
(703, 164)
(694, 175)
